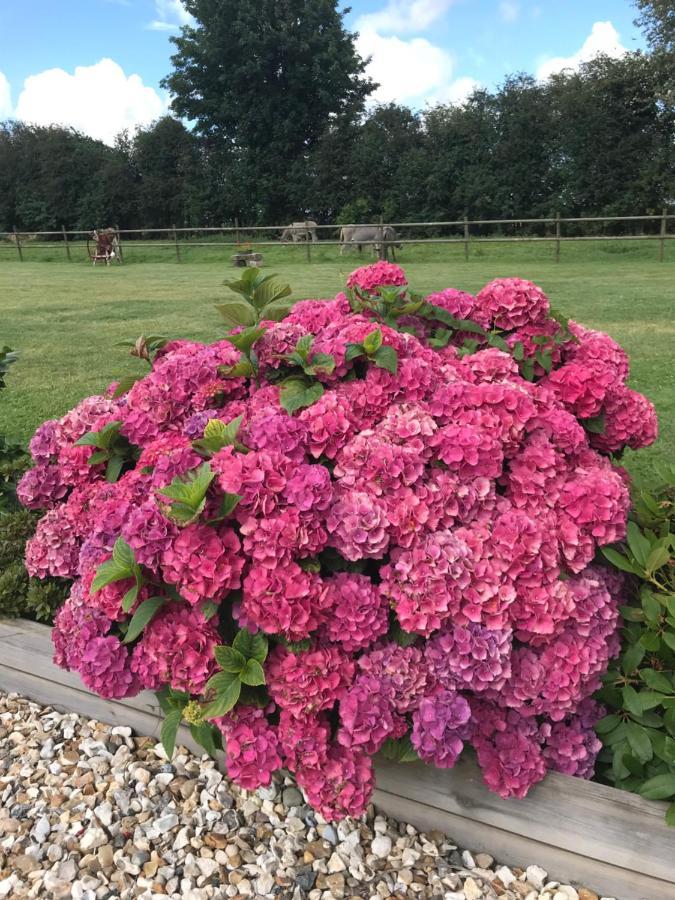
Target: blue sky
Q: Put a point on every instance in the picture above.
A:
(59, 60)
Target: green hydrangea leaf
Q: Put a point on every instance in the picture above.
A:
(169, 731)
(253, 674)
(251, 646)
(229, 659)
(142, 617)
(386, 358)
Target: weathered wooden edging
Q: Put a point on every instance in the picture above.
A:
(608, 840)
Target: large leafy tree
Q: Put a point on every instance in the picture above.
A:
(267, 78)
(524, 149)
(614, 137)
(53, 176)
(168, 162)
(462, 179)
(657, 20)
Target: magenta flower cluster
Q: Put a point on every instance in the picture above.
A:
(417, 544)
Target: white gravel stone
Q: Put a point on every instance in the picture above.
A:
(104, 813)
(505, 875)
(92, 838)
(42, 829)
(166, 823)
(468, 860)
(336, 863)
(536, 876)
(381, 846)
(472, 890)
(7, 885)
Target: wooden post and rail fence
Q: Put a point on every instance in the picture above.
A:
(466, 232)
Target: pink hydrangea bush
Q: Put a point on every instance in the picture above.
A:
(392, 504)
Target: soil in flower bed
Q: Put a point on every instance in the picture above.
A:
(89, 811)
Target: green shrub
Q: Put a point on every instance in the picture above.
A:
(639, 733)
(20, 595)
(13, 457)
(13, 463)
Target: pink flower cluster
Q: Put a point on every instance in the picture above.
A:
(417, 545)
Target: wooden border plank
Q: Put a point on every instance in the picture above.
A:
(606, 879)
(606, 825)
(144, 722)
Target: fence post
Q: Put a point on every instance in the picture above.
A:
(17, 241)
(381, 249)
(466, 238)
(119, 242)
(308, 241)
(65, 241)
(557, 236)
(664, 228)
(236, 229)
(175, 240)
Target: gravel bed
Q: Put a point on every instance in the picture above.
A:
(90, 812)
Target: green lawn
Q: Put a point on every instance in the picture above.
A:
(65, 318)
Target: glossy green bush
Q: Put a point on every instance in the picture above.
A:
(20, 595)
(639, 732)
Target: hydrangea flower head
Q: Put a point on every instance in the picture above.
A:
(379, 274)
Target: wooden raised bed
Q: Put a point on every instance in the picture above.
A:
(580, 832)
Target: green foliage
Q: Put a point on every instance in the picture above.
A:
(177, 706)
(399, 750)
(219, 434)
(111, 448)
(403, 638)
(13, 463)
(639, 733)
(657, 20)
(384, 357)
(142, 617)
(145, 347)
(259, 297)
(240, 668)
(7, 358)
(187, 494)
(298, 391)
(20, 595)
(13, 458)
(122, 566)
(597, 141)
(312, 364)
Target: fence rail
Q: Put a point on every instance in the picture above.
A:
(177, 238)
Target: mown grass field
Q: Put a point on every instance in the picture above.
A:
(66, 318)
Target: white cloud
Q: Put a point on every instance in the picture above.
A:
(5, 97)
(171, 14)
(99, 100)
(405, 16)
(406, 70)
(457, 92)
(509, 10)
(410, 69)
(603, 40)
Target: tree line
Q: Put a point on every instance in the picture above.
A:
(281, 129)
